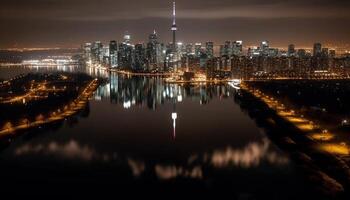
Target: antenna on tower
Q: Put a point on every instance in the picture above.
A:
(174, 13)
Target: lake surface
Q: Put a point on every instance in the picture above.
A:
(145, 134)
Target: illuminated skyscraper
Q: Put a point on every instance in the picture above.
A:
(301, 53)
(153, 37)
(210, 49)
(105, 55)
(96, 51)
(125, 53)
(272, 52)
(197, 49)
(113, 53)
(325, 52)
(237, 48)
(264, 47)
(87, 51)
(254, 51)
(189, 49)
(153, 50)
(127, 38)
(140, 57)
(291, 50)
(317, 49)
(226, 49)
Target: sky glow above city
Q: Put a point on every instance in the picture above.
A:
(68, 23)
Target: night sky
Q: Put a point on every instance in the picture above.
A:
(68, 23)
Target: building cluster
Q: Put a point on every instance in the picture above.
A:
(124, 55)
(231, 60)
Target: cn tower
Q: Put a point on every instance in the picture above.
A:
(173, 27)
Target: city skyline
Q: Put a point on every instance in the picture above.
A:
(66, 25)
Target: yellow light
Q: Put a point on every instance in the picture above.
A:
(340, 149)
(296, 119)
(322, 136)
(7, 126)
(305, 127)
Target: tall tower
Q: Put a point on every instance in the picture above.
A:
(173, 27)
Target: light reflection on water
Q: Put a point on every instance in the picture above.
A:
(249, 156)
(130, 123)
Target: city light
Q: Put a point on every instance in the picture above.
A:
(239, 99)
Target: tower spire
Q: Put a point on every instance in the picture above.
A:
(174, 13)
(174, 28)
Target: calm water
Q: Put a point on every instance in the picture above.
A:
(142, 133)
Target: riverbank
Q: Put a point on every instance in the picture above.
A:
(304, 141)
(129, 73)
(70, 109)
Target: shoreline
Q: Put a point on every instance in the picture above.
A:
(198, 82)
(163, 74)
(301, 139)
(75, 106)
(132, 73)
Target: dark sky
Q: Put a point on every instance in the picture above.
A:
(68, 23)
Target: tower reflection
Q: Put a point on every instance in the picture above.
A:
(132, 92)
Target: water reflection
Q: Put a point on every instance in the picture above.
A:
(136, 167)
(130, 130)
(152, 92)
(171, 172)
(129, 92)
(250, 156)
(71, 150)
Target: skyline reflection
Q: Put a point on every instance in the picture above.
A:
(128, 137)
(153, 92)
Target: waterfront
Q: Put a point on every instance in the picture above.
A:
(127, 137)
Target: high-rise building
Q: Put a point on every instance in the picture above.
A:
(153, 37)
(325, 52)
(237, 48)
(113, 53)
(96, 51)
(140, 57)
(209, 46)
(226, 49)
(203, 58)
(189, 49)
(272, 52)
(127, 38)
(197, 49)
(264, 48)
(87, 51)
(283, 53)
(317, 49)
(291, 50)
(105, 55)
(181, 49)
(126, 53)
(301, 53)
(153, 50)
(254, 51)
